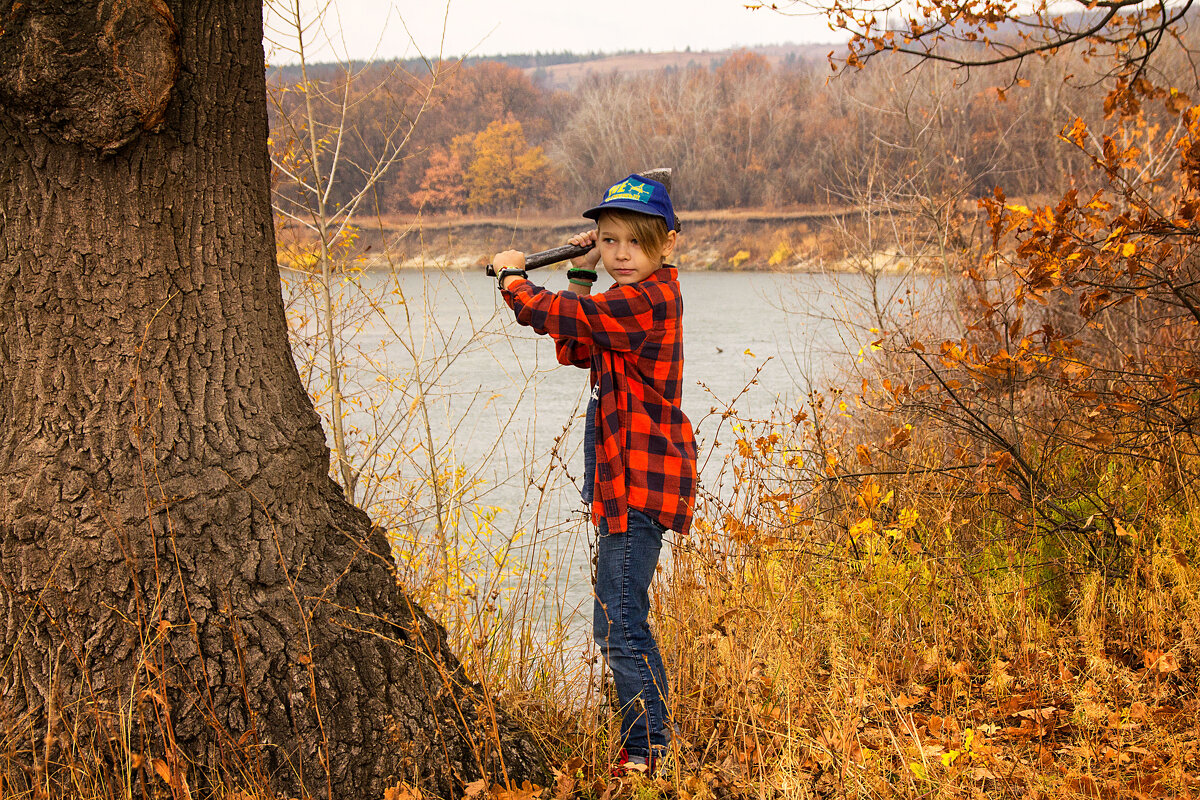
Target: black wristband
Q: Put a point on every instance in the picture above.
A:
(578, 273)
(509, 272)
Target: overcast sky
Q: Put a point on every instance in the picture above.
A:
(383, 29)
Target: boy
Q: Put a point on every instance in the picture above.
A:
(639, 450)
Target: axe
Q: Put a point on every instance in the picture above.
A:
(568, 251)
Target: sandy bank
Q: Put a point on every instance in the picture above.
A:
(788, 240)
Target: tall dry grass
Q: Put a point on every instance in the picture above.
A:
(828, 633)
(895, 635)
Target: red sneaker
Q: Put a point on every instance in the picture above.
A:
(627, 764)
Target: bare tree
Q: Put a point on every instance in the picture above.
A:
(312, 150)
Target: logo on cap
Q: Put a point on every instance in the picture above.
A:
(630, 190)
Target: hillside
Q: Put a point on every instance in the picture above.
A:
(567, 76)
(564, 70)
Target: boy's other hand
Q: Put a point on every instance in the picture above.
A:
(591, 258)
(509, 259)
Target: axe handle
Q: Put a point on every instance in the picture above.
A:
(548, 257)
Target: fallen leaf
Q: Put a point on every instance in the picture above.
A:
(900, 438)
(1158, 661)
(401, 791)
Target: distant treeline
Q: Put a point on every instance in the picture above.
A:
(743, 133)
(535, 60)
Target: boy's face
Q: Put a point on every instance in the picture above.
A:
(624, 259)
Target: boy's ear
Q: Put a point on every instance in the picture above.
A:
(669, 247)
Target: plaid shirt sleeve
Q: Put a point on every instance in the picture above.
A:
(615, 320)
(572, 353)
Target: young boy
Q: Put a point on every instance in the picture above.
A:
(639, 450)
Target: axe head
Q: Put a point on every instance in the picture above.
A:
(663, 176)
(660, 174)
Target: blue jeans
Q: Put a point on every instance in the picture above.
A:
(625, 564)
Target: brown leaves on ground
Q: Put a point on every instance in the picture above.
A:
(1027, 727)
(479, 789)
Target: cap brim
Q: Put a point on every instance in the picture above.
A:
(627, 205)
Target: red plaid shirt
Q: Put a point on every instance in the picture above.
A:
(631, 337)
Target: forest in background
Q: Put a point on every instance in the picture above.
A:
(743, 134)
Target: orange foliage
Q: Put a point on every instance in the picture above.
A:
(505, 171)
(442, 188)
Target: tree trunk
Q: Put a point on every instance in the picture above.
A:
(185, 595)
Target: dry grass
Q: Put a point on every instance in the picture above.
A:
(814, 655)
(887, 638)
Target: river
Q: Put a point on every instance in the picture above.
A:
(437, 359)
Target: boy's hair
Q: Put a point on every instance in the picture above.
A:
(650, 231)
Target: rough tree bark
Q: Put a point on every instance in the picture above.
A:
(174, 558)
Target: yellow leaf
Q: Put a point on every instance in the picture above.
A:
(868, 495)
(918, 770)
(862, 527)
(864, 455)
(783, 251)
(1128, 249)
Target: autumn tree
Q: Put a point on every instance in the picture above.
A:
(745, 133)
(1066, 399)
(443, 187)
(452, 99)
(505, 171)
(356, 112)
(186, 594)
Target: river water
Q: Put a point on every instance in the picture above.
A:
(437, 364)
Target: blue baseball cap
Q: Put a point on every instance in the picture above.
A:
(635, 193)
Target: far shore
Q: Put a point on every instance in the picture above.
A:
(794, 240)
